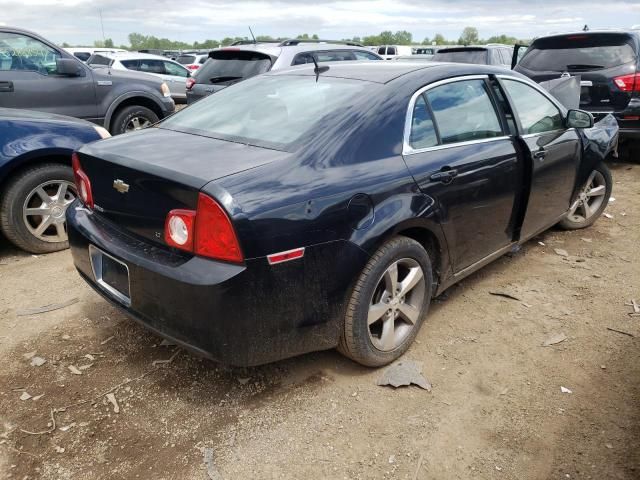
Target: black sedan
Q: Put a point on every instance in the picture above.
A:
(309, 209)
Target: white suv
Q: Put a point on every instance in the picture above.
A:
(174, 74)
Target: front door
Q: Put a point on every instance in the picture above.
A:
(458, 151)
(554, 155)
(29, 79)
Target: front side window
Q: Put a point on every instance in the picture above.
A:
(152, 66)
(381, 50)
(537, 114)
(173, 69)
(391, 50)
(362, 55)
(20, 52)
(463, 111)
(131, 64)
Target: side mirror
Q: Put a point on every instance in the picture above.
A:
(68, 67)
(579, 119)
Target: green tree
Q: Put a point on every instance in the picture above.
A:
(469, 36)
(65, 45)
(108, 43)
(439, 39)
(402, 37)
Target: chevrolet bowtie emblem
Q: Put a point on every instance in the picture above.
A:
(120, 186)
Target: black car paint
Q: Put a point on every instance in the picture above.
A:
(341, 196)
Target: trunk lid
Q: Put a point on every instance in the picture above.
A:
(137, 178)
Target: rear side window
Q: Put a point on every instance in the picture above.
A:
(328, 56)
(537, 114)
(381, 50)
(186, 59)
(391, 50)
(131, 64)
(423, 133)
(152, 66)
(175, 70)
(226, 66)
(463, 111)
(579, 52)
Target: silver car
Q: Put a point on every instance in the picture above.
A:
(174, 74)
(240, 61)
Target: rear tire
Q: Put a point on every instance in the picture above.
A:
(592, 199)
(24, 194)
(132, 118)
(380, 326)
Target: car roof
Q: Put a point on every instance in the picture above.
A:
(385, 72)
(602, 31)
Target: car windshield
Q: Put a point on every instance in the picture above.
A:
(232, 65)
(476, 56)
(272, 111)
(579, 52)
(186, 59)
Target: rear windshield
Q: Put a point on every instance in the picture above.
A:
(462, 56)
(579, 52)
(272, 111)
(226, 66)
(186, 59)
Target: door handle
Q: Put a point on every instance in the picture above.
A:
(6, 86)
(540, 154)
(444, 176)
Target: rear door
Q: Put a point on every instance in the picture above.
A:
(459, 152)
(553, 154)
(598, 58)
(29, 79)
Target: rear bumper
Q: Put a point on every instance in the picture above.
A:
(237, 314)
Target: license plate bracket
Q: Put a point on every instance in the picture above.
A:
(111, 274)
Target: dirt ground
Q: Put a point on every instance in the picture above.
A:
(496, 410)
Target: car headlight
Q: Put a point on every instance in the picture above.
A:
(165, 90)
(102, 131)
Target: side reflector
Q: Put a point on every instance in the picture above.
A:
(285, 256)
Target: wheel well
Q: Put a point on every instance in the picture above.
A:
(136, 101)
(431, 244)
(58, 158)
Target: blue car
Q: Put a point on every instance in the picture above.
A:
(326, 206)
(36, 180)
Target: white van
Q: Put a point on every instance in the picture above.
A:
(389, 52)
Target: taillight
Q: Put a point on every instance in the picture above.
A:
(628, 83)
(193, 67)
(83, 185)
(190, 83)
(206, 231)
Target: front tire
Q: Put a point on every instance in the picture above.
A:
(132, 118)
(592, 199)
(33, 206)
(388, 303)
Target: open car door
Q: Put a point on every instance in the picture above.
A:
(518, 53)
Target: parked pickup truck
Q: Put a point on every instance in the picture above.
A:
(35, 74)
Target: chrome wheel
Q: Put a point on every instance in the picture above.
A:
(44, 210)
(137, 123)
(589, 199)
(395, 307)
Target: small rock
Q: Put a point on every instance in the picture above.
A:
(84, 367)
(25, 396)
(29, 355)
(244, 381)
(554, 339)
(112, 399)
(565, 390)
(603, 367)
(74, 370)
(38, 397)
(561, 252)
(59, 449)
(89, 357)
(608, 445)
(607, 215)
(392, 459)
(66, 337)
(37, 361)
(167, 343)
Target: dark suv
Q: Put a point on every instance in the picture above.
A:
(37, 75)
(607, 64)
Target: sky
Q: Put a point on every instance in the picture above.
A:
(78, 21)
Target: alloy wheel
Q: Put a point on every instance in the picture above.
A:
(396, 304)
(44, 210)
(589, 199)
(137, 123)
